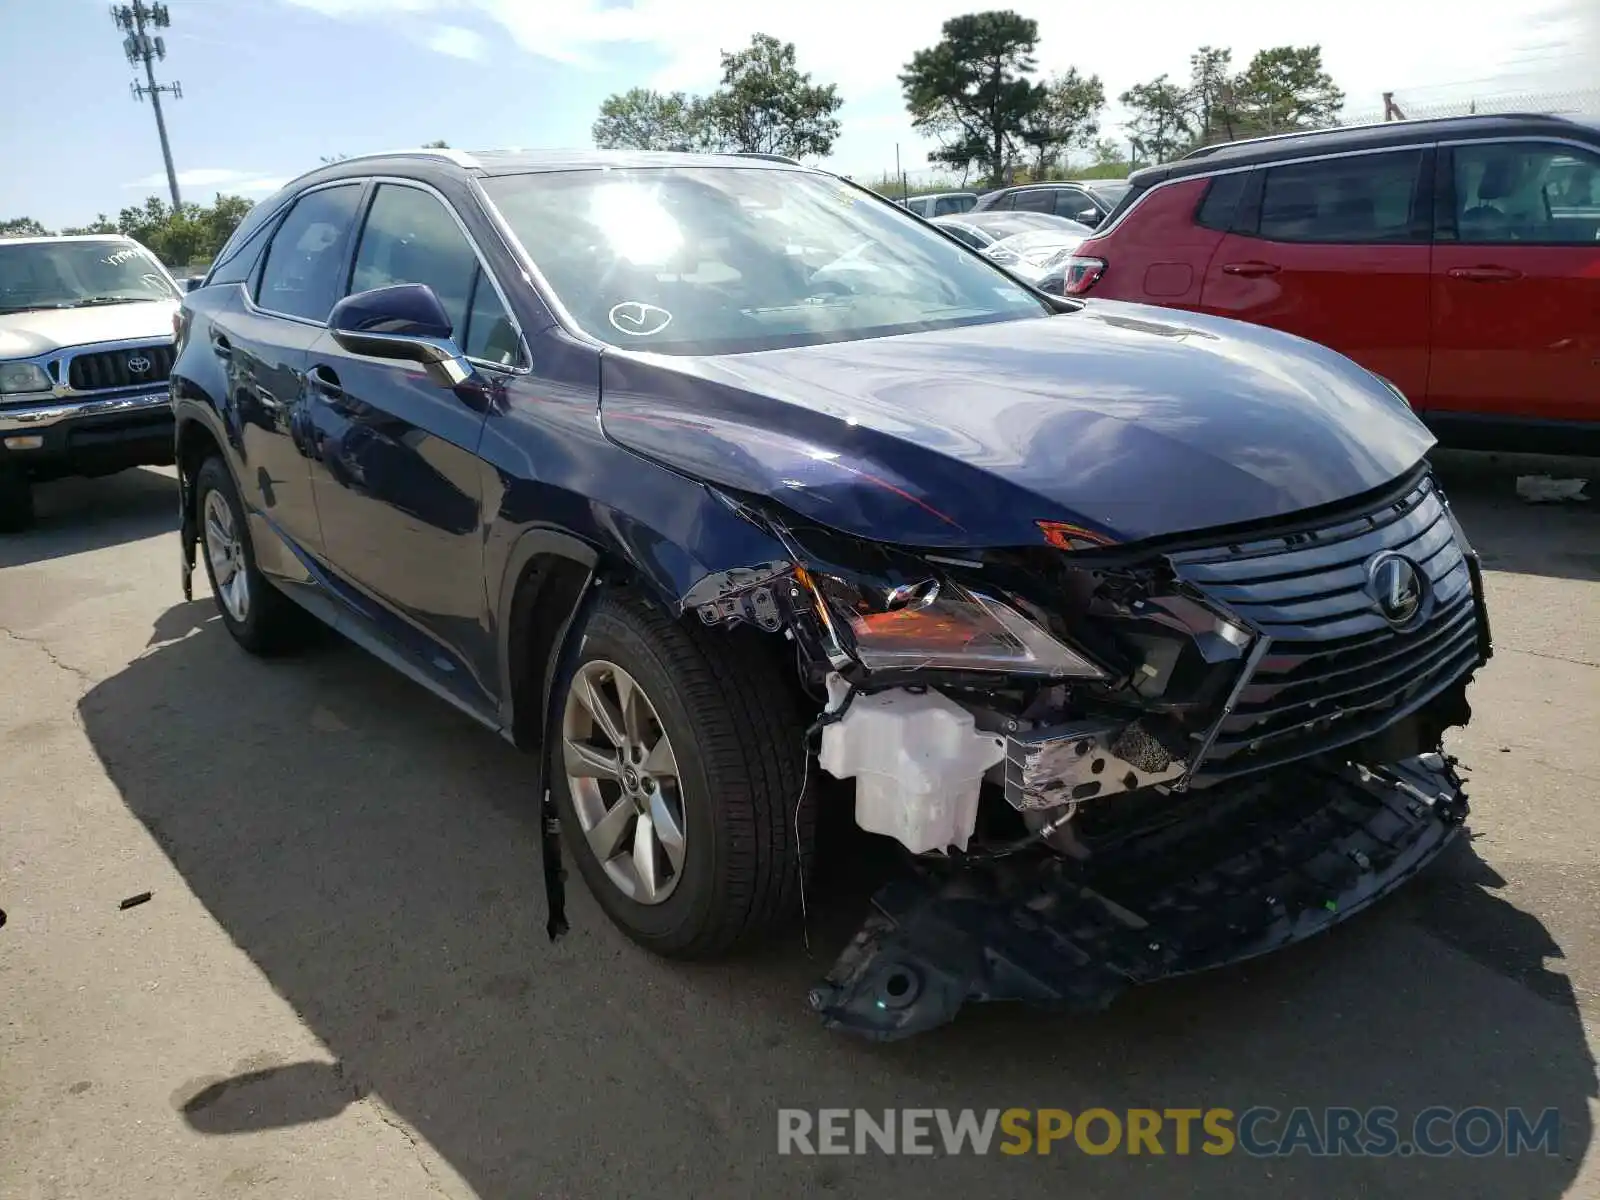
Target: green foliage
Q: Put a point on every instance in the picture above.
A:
(1160, 121)
(192, 234)
(1285, 88)
(642, 119)
(22, 227)
(768, 105)
(973, 88)
(1211, 94)
(765, 104)
(441, 144)
(1068, 118)
(101, 224)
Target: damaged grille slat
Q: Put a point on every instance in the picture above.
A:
(1260, 561)
(1336, 670)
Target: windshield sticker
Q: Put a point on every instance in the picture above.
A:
(638, 319)
(120, 257)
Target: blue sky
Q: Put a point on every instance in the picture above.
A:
(271, 85)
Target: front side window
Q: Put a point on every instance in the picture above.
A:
(72, 274)
(1510, 192)
(301, 277)
(410, 237)
(710, 260)
(1358, 198)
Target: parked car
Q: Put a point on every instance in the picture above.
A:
(1139, 631)
(1032, 256)
(980, 230)
(1456, 258)
(940, 204)
(1087, 201)
(85, 346)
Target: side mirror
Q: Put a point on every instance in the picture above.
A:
(1089, 217)
(403, 322)
(190, 282)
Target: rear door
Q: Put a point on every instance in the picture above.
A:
(1336, 250)
(398, 481)
(261, 338)
(1516, 282)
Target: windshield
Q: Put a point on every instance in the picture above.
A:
(1008, 223)
(78, 274)
(1109, 192)
(1070, 235)
(718, 260)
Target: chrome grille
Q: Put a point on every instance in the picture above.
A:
(1335, 670)
(101, 370)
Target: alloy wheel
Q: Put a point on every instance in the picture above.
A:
(225, 551)
(623, 779)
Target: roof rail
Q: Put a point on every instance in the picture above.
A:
(778, 158)
(460, 157)
(1214, 147)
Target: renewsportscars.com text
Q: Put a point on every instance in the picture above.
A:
(1261, 1132)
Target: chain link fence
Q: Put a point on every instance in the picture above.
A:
(1582, 102)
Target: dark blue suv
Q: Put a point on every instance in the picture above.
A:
(705, 478)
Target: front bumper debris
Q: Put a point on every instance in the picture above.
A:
(1249, 867)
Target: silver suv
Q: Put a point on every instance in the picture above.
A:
(86, 344)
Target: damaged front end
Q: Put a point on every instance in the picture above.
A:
(1116, 764)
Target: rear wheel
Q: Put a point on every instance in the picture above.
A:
(678, 776)
(16, 499)
(261, 619)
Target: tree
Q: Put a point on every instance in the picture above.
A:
(22, 227)
(1160, 122)
(642, 119)
(766, 104)
(1068, 117)
(101, 224)
(441, 144)
(975, 82)
(191, 234)
(1285, 88)
(1211, 94)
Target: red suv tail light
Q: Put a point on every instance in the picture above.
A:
(1083, 272)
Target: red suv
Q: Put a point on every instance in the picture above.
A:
(1456, 258)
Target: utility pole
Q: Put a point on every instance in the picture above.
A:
(134, 19)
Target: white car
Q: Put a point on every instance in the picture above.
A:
(1033, 255)
(86, 343)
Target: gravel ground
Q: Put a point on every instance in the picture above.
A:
(341, 984)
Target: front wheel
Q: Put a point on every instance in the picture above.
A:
(678, 779)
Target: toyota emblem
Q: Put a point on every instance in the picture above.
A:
(1398, 588)
(139, 364)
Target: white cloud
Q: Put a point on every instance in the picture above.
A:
(1442, 47)
(456, 42)
(219, 178)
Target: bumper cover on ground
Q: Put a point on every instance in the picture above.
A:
(1232, 873)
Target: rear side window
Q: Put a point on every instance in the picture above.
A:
(1360, 198)
(1040, 200)
(1529, 192)
(1221, 201)
(1071, 203)
(301, 277)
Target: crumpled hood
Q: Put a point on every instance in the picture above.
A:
(41, 331)
(1134, 421)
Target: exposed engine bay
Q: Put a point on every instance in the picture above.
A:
(1115, 764)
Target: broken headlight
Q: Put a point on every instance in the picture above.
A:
(937, 624)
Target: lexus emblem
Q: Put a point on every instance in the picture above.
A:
(1397, 587)
(138, 364)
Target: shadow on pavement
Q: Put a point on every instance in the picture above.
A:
(376, 856)
(78, 515)
(1560, 540)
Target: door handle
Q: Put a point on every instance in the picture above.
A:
(1485, 274)
(220, 346)
(1250, 270)
(324, 383)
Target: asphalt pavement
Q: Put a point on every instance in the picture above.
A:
(340, 985)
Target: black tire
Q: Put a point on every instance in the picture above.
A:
(16, 500)
(272, 624)
(737, 734)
